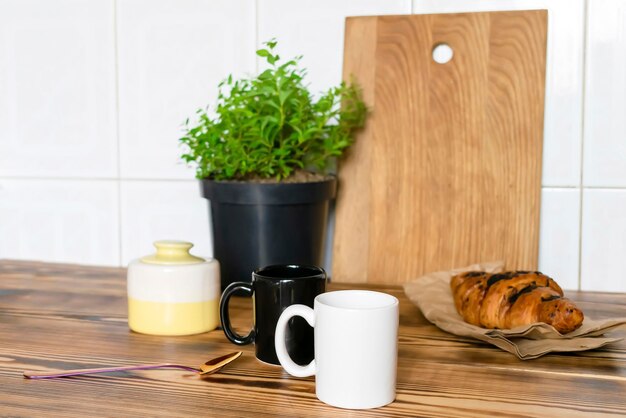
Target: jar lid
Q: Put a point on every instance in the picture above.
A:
(172, 252)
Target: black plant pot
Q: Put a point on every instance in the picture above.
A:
(260, 224)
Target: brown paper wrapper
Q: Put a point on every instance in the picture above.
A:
(431, 293)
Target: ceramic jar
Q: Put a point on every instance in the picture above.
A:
(173, 292)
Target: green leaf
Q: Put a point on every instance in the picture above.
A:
(272, 59)
(267, 74)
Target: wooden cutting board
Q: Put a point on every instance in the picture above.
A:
(447, 172)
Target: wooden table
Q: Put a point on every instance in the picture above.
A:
(56, 316)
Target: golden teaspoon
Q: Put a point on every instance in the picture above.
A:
(209, 367)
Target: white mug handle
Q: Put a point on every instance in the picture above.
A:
(281, 347)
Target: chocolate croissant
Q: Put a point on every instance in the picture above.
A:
(514, 298)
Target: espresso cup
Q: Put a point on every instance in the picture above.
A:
(356, 347)
(273, 289)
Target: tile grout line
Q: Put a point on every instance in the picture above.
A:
(582, 141)
(256, 35)
(117, 133)
(122, 179)
(187, 180)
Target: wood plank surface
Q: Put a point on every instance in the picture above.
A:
(66, 317)
(447, 171)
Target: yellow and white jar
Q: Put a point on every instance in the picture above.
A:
(173, 292)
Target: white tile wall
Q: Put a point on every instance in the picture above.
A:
(605, 95)
(156, 210)
(80, 77)
(172, 54)
(603, 264)
(56, 220)
(559, 238)
(57, 88)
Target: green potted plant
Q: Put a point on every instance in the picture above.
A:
(262, 157)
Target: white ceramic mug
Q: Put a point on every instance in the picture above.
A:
(356, 347)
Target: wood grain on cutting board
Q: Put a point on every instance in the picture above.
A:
(447, 171)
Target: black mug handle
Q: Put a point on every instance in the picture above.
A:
(225, 318)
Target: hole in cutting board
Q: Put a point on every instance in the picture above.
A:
(442, 53)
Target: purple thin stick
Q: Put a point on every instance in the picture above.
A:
(35, 375)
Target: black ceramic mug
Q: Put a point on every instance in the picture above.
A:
(273, 289)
